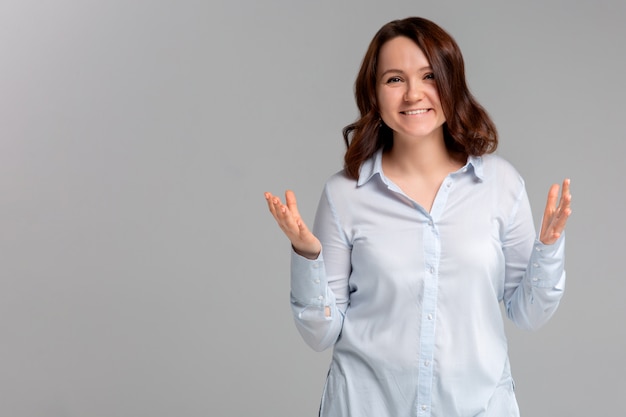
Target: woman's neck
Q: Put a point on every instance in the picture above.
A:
(425, 157)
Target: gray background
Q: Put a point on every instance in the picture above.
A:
(140, 272)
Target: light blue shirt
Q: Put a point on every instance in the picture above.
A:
(414, 297)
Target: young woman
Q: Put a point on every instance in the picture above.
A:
(418, 240)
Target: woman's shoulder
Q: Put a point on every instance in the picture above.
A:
(497, 167)
(340, 180)
(341, 190)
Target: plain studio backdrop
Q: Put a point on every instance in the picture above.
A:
(140, 271)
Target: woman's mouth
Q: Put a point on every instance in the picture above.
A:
(414, 112)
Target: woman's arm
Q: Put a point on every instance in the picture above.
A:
(319, 276)
(535, 275)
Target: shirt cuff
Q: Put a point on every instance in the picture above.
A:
(308, 280)
(547, 262)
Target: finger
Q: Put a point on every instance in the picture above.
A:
(271, 203)
(290, 199)
(564, 210)
(566, 186)
(553, 195)
(566, 196)
(268, 199)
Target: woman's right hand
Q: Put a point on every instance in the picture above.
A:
(289, 220)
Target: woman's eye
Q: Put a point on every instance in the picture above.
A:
(429, 76)
(394, 80)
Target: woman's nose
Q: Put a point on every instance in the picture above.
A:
(413, 92)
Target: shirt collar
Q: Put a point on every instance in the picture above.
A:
(476, 162)
(374, 165)
(371, 167)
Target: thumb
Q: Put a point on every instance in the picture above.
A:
(292, 205)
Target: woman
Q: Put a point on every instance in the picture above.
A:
(418, 240)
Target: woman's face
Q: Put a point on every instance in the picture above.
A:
(406, 90)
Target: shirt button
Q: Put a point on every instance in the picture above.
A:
(426, 363)
(430, 222)
(536, 265)
(449, 185)
(430, 317)
(424, 407)
(321, 297)
(432, 270)
(535, 279)
(317, 281)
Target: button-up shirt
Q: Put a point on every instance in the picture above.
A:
(410, 299)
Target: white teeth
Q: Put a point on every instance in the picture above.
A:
(411, 112)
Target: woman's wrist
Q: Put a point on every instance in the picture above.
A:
(307, 253)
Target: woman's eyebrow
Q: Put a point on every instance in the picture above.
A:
(398, 71)
(395, 71)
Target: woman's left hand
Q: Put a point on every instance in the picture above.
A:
(555, 216)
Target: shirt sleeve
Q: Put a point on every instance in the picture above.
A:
(535, 273)
(319, 288)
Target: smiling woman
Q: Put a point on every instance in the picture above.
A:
(407, 92)
(418, 241)
(468, 128)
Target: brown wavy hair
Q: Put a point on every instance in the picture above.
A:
(468, 129)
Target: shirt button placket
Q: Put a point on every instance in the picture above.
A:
(427, 334)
